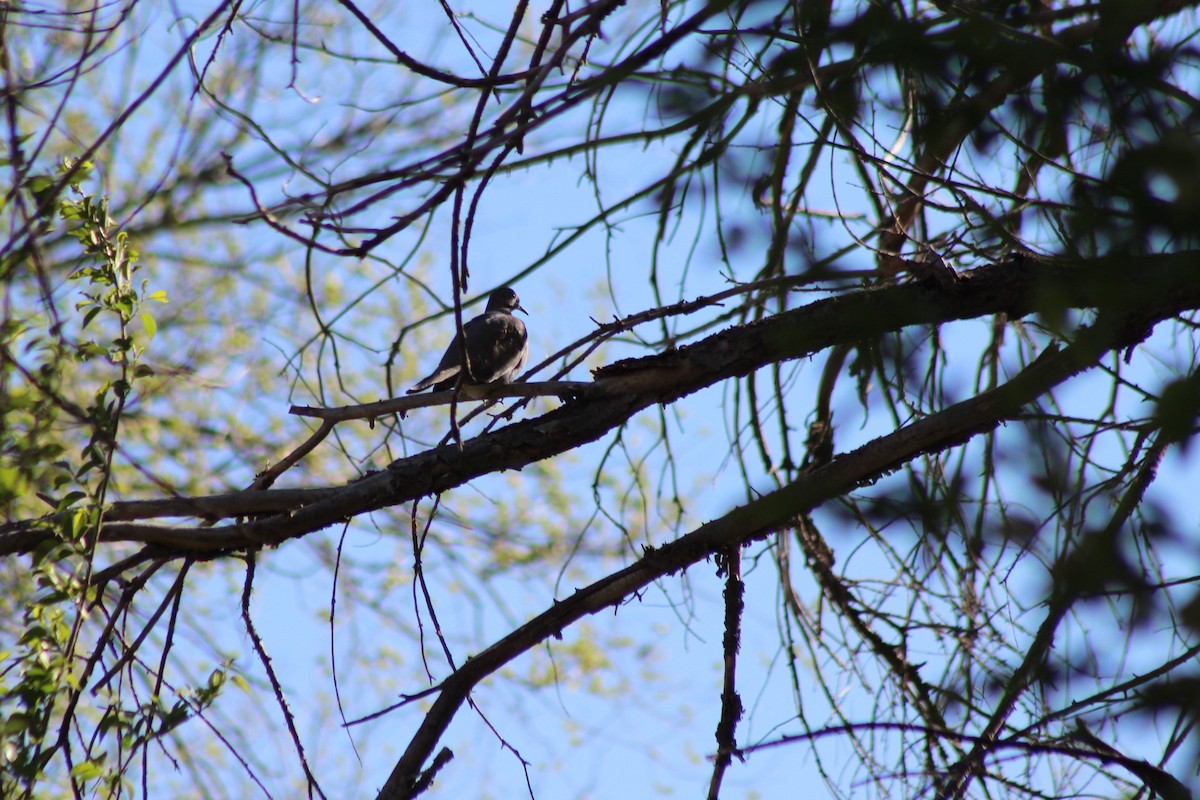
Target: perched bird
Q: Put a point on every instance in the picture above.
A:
(497, 346)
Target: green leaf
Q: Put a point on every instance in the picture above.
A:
(39, 183)
(15, 723)
(33, 634)
(89, 350)
(12, 483)
(150, 326)
(71, 499)
(90, 315)
(81, 520)
(88, 770)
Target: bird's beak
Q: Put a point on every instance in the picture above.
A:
(521, 308)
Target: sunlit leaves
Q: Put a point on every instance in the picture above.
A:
(40, 447)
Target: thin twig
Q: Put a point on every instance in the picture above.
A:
(268, 476)
(276, 687)
(337, 692)
(731, 704)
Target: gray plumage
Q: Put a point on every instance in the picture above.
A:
(497, 346)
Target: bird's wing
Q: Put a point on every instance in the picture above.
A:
(522, 356)
(437, 377)
(497, 346)
(447, 368)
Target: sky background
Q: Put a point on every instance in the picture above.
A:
(578, 710)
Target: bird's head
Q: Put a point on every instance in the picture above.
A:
(505, 299)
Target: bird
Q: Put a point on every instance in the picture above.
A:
(497, 346)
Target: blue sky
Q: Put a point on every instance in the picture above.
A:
(640, 724)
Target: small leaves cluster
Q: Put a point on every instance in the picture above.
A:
(108, 272)
(44, 678)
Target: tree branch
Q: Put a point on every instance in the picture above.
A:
(757, 520)
(1146, 289)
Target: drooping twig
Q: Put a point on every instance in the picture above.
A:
(337, 692)
(1064, 594)
(731, 702)
(276, 687)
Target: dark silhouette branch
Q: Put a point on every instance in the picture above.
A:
(400, 405)
(1164, 286)
(760, 518)
(731, 702)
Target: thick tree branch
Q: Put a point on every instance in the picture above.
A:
(759, 519)
(1145, 289)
